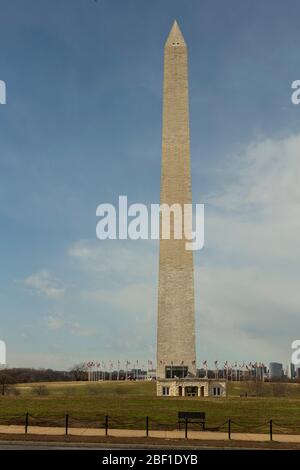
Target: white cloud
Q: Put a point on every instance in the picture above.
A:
(55, 321)
(265, 180)
(245, 313)
(44, 284)
(137, 300)
(257, 217)
(59, 320)
(248, 301)
(131, 260)
(76, 329)
(247, 283)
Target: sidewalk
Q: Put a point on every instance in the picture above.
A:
(199, 435)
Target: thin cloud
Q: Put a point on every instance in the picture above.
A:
(44, 284)
(248, 300)
(59, 320)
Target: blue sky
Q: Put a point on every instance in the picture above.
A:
(82, 125)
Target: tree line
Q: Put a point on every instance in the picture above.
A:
(10, 376)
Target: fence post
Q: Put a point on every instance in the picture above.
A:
(229, 429)
(67, 423)
(271, 429)
(26, 422)
(147, 426)
(106, 425)
(186, 428)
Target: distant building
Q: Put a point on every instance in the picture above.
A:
(291, 372)
(259, 372)
(275, 370)
(151, 374)
(138, 374)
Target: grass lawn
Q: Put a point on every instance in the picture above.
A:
(128, 403)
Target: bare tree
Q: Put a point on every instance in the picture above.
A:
(79, 372)
(5, 381)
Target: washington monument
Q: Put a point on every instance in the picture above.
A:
(176, 349)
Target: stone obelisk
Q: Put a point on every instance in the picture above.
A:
(176, 351)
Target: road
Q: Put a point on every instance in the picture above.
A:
(103, 446)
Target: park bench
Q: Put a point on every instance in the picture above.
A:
(195, 417)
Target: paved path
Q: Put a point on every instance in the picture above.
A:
(199, 435)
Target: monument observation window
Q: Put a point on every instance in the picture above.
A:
(173, 372)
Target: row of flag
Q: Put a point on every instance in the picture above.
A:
(244, 366)
(135, 364)
(103, 365)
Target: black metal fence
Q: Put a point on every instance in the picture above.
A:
(147, 424)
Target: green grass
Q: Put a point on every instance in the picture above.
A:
(128, 403)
